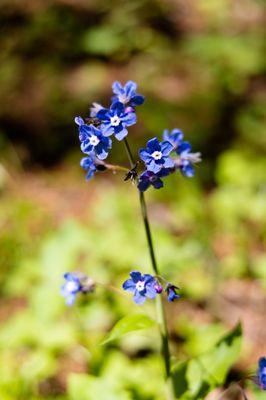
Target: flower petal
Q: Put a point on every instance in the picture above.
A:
(138, 298)
(169, 163)
(120, 135)
(151, 291)
(136, 276)
(166, 148)
(129, 285)
(117, 88)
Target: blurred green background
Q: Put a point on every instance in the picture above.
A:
(200, 65)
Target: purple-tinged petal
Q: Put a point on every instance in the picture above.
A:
(130, 88)
(117, 88)
(79, 121)
(169, 163)
(151, 291)
(138, 298)
(120, 135)
(70, 299)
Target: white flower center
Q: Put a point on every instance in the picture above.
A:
(157, 155)
(115, 120)
(71, 286)
(140, 285)
(94, 140)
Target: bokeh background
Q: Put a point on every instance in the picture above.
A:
(200, 65)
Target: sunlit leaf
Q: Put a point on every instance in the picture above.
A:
(129, 324)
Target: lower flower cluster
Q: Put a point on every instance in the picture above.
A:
(145, 286)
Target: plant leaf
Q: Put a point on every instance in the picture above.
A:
(129, 324)
(194, 378)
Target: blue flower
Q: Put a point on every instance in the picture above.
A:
(71, 288)
(262, 373)
(175, 137)
(88, 163)
(143, 286)
(171, 291)
(156, 155)
(148, 178)
(76, 282)
(92, 140)
(115, 120)
(127, 94)
(186, 159)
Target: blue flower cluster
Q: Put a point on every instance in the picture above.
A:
(95, 140)
(75, 283)
(145, 286)
(94, 136)
(159, 163)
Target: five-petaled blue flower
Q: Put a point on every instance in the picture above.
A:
(156, 155)
(262, 373)
(115, 120)
(175, 137)
(127, 94)
(88, 163)
(148, 178)
(92, 140)
(171, 291)
(186, 159)
(143, 286)
(71, 288)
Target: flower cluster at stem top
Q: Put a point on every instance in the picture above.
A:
(145, 286)
(160, 158)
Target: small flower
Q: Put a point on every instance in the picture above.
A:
(76, 282)
(96, 107)
(127, 94)
(186, 159)
(175, 137)
(91, 165)
(156, 155)
(143, 286)
(93, 141)
(71, 288)
(115, 120)
(262, 373)
(158, 288)
(148, 178)
(171, 291)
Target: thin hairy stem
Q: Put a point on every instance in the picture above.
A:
(159, 303)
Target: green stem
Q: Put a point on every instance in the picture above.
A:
(159, 303)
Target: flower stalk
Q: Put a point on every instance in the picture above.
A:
(160, 312)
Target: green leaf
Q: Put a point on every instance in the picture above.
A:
(195, 378)
(129, 324)
(217, 362)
